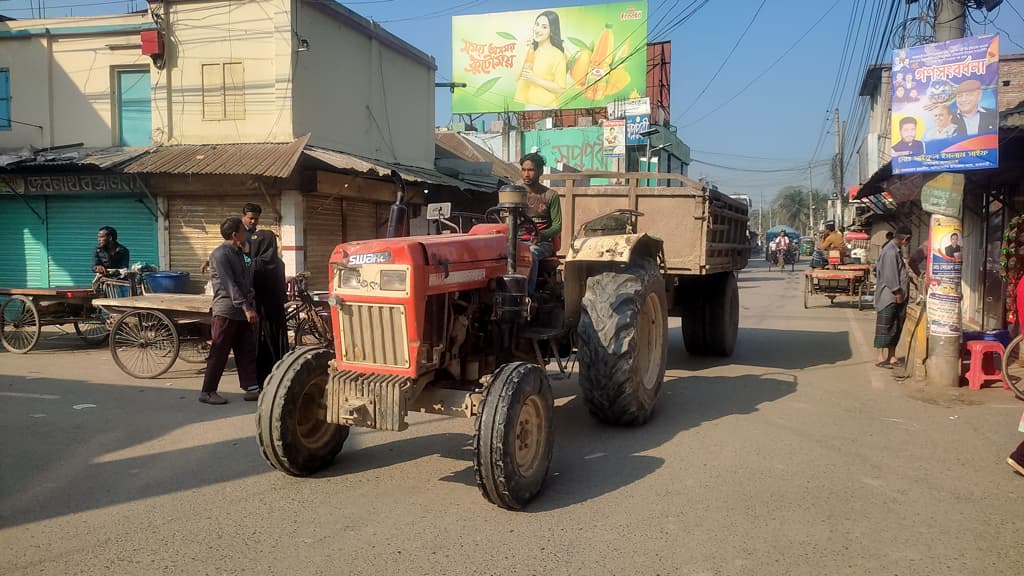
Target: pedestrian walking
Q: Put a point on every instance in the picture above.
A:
(234, 316)
(891, 291)
(271, 292)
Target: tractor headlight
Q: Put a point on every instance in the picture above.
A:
(393, 280)
(350, 279)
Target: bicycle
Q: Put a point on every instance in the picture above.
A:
(1013, 367)
(306, 318)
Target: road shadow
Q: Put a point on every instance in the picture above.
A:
(58, 339)
(772, 348)
(760, 278)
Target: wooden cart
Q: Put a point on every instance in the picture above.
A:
(26, 310)
(849, 281)
(150, 332)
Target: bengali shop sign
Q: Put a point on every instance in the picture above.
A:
(945, 115)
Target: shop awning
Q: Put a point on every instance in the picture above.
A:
(68, 158)
(274, 159)
(353, 164)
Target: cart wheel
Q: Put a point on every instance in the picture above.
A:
(808, 287)
(144, 343)
(19, 324)
(96, 330)
(831, 300)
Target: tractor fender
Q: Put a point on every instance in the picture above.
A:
(592, 255)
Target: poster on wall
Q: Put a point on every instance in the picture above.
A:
(944, 268)
(556, 58)
(614, 138)
(635, 126)
(945, 114)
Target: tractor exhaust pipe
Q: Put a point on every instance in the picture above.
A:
(398, 216)
(513, 200)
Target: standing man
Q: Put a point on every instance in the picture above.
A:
(234, 316)
(891, 291)
(268, 283)
(109, 253)
(970, 118)
(545, 208)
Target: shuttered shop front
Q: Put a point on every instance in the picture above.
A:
(193, 229)
(323, 223)
(59, 252)
(363, 220)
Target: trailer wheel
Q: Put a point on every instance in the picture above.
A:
(622, 343)
(19, 324)
(695, 316)
(144, 343)
(723, 313)
(291, 417)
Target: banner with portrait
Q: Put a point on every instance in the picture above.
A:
(945, 113)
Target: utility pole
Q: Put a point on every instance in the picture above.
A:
(943, 363)
(837, 168)
(760, 216)
(810, 198)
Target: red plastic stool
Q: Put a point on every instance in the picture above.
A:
(980, 351)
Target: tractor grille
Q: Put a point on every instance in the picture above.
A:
(374, 334)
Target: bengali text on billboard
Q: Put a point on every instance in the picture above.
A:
(557, 58)
(945, 115)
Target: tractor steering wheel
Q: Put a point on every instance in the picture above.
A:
(527, 226)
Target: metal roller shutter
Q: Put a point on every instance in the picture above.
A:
(23, 236)
(193, 230)
(324, 229)
(362, 220)
(71, 226)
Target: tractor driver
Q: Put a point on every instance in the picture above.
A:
(545, 208)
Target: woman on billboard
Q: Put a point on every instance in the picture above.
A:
(542, 79)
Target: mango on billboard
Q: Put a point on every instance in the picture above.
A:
(564, 58)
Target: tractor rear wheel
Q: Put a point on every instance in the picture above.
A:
(513, 439)
(291, 420)
(622, 343)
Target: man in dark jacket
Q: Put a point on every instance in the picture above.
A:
(268, 282)
(970, 118)
(234, 316)
(109, 253)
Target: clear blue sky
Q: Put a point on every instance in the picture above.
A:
(781, 121)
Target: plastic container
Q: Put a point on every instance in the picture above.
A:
(167, 282)
(1001, 336)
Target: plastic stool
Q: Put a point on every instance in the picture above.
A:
(977, 375)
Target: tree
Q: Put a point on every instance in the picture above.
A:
(791, 207)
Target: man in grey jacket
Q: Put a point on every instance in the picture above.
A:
(891, 291)
(234, 316)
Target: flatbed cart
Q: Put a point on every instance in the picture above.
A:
(150, 332)
(26, 310)
(851, 283)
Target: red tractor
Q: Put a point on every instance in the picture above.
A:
(443, 324)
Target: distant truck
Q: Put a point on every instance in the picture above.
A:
(705, 243)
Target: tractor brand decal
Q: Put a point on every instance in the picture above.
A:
(374, 258)
(440, 279)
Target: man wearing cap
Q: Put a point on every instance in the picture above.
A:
(891, 291)
(970, 118)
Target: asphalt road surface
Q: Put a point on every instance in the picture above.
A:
(796, 456)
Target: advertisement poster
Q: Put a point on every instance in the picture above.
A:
(625, 108)
(944, 194)
(576, 148)
(557, 58)
(946, 256)
(943, 313)
(614, 138)
(944, 106)
(635, 125)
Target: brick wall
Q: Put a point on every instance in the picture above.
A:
(1011, 70)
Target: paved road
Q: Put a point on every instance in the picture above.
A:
(795, 457)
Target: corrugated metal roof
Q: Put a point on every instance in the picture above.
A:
(26, 160)
(373, 167)
(468, 150)
(273, 159)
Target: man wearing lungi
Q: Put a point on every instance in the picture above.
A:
(891, 291)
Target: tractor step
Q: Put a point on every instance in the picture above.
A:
(368, 400)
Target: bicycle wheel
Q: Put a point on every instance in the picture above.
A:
(1013, 367)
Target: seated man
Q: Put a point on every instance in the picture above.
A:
(545, 208)
(109, 254)
(833, 240)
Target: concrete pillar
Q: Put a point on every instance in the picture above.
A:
(163, 235)
(293, 248)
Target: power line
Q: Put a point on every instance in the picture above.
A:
(801, 168)
(766, 70)
(724, 61)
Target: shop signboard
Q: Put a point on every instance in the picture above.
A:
(945, 115)
(557, 58)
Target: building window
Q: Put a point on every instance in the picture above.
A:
(223, 91)
(5, 99)
(134, 108)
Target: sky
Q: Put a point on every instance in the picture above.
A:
(763, 122)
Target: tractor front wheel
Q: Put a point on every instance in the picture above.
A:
(513, 438)
(291, 420)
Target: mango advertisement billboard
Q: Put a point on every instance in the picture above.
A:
(565, 58)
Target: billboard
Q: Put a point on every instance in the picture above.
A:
(577, 148)
(945, 115)
(558, 58)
